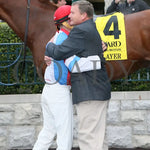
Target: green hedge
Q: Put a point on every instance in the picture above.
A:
(8, 36)
(134, 85)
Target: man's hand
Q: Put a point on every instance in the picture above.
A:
(117, 1)
(104, 46)
(130, 1)
(47, 60)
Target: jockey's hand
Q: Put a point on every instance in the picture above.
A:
(47, 60)
(104, 46)
(52, 39)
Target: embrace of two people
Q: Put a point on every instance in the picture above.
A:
(76, 53)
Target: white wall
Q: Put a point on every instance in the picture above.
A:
(128, 121)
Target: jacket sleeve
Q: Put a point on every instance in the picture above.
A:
(76, 64)
(74, 44)
(143, 5)
(112, 7)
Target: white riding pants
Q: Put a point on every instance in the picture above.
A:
(57, 111)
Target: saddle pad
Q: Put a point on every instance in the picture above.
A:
(112, 31)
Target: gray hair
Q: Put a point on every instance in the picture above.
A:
(85, 7)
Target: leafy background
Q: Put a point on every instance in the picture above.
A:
(8, 75)
(28, 86)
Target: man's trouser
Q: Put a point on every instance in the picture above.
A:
(91, 117)
(57, 118)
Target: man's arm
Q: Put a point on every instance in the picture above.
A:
(143, 5)
(76, 64)
(113, 6)
(74, 44)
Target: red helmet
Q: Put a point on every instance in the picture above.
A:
(61, 14)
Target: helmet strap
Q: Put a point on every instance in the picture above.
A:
(58, 28)
(66, 24)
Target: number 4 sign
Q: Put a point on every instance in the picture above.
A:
(112, 31)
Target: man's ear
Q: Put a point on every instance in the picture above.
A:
(84, 16)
